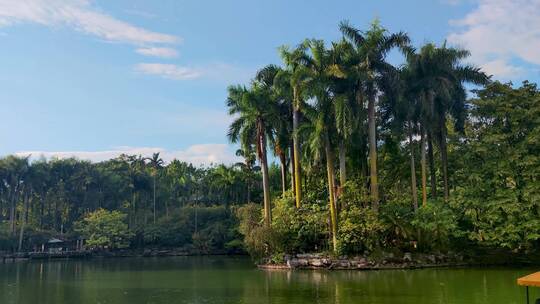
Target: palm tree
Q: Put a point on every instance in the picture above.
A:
(410, 111)
(155, 163)
(295, 61)
(225, 180)
(254, 109)
(346, 109)
(247, 167)
(271, 78)
(322, 117)
(440, 79)
(400, 111)
(284, 135)
(370, 50)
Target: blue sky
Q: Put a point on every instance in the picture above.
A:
(97, 78)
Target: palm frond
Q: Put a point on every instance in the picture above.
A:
(351, 33)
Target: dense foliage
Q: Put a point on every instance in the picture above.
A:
(393, 158)
(370, 157)
(174, 205)
(104, 229)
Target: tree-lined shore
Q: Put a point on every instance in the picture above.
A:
(149, 203)
(388, 157)
(431, 155)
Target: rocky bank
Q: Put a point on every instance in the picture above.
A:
(385, 261)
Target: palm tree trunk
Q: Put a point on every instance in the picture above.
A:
(364, 151)
(364, 171)
(413, 170)
(283, 160)
(296, 146)
(342, 163)
(145, 200)
(266, 181)
(373, 154)
(431, 160)
(1, 205)
(12, 213)
(23, 223)
(291, 160)
(444, 160)
(331, 193)
(154, 198)
(248, 195)
(134, 203)
(41, 210)
(423, 165)
(342, 173)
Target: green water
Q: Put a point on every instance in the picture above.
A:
(212, 280)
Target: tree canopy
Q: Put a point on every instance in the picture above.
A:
(369, 155)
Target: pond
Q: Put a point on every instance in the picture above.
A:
(212, 280)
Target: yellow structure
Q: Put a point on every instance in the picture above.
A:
(532, 280)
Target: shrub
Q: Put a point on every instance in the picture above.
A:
(360, 229)
(259, 241)
(8, 241)
(398, 217)
(207, 228)
(302, 229)
(436, 226)
(353, 193)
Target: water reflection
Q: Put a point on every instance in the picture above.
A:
(215, 280)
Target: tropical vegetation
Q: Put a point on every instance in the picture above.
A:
(343, 151)
(432, 154)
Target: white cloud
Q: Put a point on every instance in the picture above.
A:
(169, 71)
(204, 154)
(498, 32)
(217, 72)
(80, 15)
(158, 52)
(83, 16)
(502, 69)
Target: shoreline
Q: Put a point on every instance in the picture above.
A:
(79, 255)
(271, 267)
(301, 261)
(390, 262)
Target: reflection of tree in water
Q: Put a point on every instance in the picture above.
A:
(219, 280)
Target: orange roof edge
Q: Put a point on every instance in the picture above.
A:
(532, 279)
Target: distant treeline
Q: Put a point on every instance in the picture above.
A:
(47, 197)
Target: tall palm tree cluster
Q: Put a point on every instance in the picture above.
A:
(327, 104)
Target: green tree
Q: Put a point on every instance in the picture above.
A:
(294, 60)
(370, 67)
(498, 167)
(321, 116)
(348, 115)
(105, 229)
(248, 168)
(156, 163)
(256, 110)
(271, 78)
(439, 78)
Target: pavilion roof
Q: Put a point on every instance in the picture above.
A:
(532, 279)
